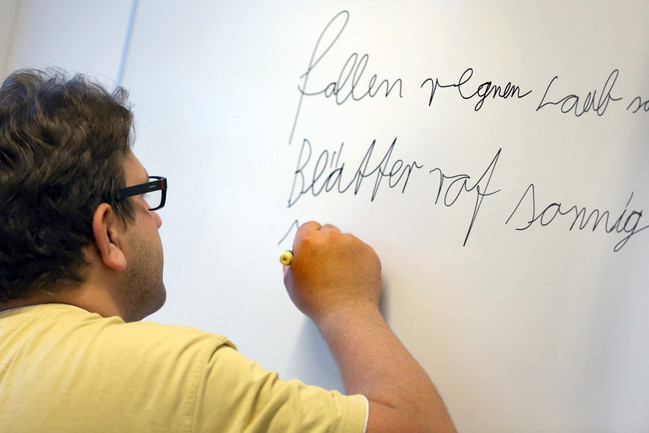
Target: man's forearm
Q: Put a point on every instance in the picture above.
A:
(373, 362)
(335, 279)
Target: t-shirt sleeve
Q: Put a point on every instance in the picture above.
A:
(234, 394)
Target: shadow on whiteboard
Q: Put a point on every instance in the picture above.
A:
(311, 361)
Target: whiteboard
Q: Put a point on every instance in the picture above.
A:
(76, 35)
(493, 153)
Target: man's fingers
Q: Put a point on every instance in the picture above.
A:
(316, 226)
(330, 227)
(309, 226)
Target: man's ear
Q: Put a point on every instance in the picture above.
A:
(110, 236)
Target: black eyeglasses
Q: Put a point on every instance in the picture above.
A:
(155, 192)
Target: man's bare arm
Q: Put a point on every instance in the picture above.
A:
(335, 279)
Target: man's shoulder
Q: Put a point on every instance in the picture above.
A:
(67, 324)
(146, 372)
(158, 335)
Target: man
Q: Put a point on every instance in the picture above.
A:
(81, 263)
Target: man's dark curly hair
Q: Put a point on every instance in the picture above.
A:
(63, 142)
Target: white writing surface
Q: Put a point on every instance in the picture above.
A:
(77, 36)
(493, 153)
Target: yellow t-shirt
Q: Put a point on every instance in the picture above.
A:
(63, 369)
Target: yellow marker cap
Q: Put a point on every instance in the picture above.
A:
(286, 258)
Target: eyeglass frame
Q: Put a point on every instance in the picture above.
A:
(159, 184)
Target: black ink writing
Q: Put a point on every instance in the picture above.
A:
(347, 85)
(483, 91)
(328, 172)
(639, 104)
(571, 103)
(294, 226)
(454, 186)
(582, 217)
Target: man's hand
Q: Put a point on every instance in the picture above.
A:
(335, 279)
(331, 271)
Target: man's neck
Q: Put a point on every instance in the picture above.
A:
(83, 297)
(18, 303)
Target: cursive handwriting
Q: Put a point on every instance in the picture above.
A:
(294, 226)
(458, 184)
(582, 217)
(639, 104)
(328, 172)
(570, 103)
(347, 85)
(483, 91)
